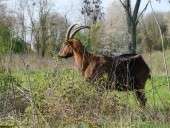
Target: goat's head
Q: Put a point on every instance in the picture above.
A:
(66, 50)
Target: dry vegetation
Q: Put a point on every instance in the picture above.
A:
(156, 62)
(45, 95)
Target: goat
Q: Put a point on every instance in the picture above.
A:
(127, 72)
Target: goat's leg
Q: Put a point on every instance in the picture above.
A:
(140, 94)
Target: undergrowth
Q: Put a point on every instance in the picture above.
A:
(61, 98)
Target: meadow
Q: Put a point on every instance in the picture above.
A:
(50, 92)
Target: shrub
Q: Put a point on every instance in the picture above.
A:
(61, 98)
(12, 101)
(64, 98)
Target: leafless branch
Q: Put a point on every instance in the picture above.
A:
(127, 8)
(136, 9)
(141, 14)
(122, 3)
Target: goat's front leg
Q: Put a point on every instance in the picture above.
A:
(89, 72)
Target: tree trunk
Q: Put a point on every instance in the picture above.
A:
(133, 38)
(129, 22)
(132, 20)
(43, 53)
(43, 49)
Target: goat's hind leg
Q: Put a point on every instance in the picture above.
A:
(140, 94)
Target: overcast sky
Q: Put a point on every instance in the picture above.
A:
(163, 6)
(72, 7)
(63, 5)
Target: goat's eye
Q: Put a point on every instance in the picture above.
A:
(65, 43)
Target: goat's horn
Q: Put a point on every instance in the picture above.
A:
(70, 28)
(78, 29)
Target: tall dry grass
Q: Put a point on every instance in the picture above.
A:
(155, 61)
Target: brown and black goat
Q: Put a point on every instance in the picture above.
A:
(127, 72)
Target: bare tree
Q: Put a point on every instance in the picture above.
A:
(92, 9)
(132, 17)
(57, 25)
(43, 14)
(115, 29)
(47, 27)
(39, 10)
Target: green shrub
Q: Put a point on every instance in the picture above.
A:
(18, 45)
(12, 101)
(7, 42)
(64, 98)
(61, 98)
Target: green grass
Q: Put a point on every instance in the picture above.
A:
(61, 98)
(65, 100)
(158, 92)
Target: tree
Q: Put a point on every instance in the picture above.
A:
(8, 40)
(92, 9)
(132, 17)
(44, 25)
(167, 17)
(57, 26)
(39, 30)
(148, 30)
(20, 29)
(115, 33)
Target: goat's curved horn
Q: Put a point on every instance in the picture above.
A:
(70, 28)
(78, 29)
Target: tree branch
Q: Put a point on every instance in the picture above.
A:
(127, 8)
(136, 9)
(122, 4)
(141, 14)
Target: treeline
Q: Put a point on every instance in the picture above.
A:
(7, 40)
(149, 34)
(38, 28)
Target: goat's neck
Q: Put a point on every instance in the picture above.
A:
(81, 57)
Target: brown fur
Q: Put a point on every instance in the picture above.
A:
(124, 72)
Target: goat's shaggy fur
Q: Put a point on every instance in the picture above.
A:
(123, 73)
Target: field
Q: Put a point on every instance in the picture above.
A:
(49, 92)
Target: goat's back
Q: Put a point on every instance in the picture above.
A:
(126, 69)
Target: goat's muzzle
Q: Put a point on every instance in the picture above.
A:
(60, 55)
(66, 51)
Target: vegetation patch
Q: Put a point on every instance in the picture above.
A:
(61, 98)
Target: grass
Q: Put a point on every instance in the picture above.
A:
(44, 95)
(155, 61)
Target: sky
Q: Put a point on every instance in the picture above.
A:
(71, 8)
(60, 5)
(66, 5)
(162, 6)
